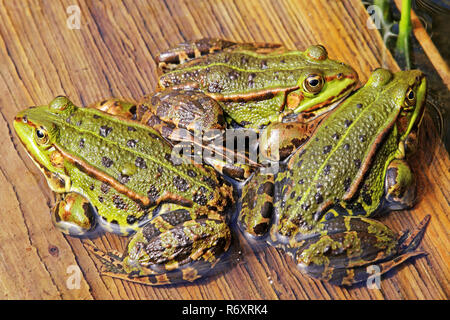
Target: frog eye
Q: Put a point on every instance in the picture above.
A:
(41, 136)
(313, 83)
(410, 99)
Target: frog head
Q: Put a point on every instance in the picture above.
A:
(323, 82)
(38, 130)
(407, 89)
(413, 107)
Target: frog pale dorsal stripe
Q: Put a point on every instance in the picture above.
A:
(253, 96)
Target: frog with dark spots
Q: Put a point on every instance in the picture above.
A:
(325, 220)
(128, 188)
(257, 83)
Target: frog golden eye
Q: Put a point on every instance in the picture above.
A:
(313, 83)
(410, 99)
(41, 136)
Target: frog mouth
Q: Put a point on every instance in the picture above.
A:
(311, 115)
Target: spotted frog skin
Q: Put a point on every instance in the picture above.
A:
(257, 83)
(121, 175)
(350, 170)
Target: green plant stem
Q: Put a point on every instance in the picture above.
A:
(403, 46)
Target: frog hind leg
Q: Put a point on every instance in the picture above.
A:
(204, 112)
(257, 205)
(116, 107)
(112, 266)
(353, 248)
(400, 185)
(73, 214)
(170, 249)
(186, 51)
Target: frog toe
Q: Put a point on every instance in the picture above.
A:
(111, 261)
(111, 265)
(353, 275)
(183, 275)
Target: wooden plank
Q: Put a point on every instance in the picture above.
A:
(112, 55)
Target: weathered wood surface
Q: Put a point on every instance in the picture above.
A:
(112, 55)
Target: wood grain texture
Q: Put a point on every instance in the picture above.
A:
(111, 55)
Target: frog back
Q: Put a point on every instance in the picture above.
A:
(229, 74)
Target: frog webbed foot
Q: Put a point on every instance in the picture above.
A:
(350, 249)
(257, 205)
(73, 214)
(111, 262)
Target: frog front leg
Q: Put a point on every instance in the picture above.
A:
(257, 205)
(73, 214)
(400, 185)
(343, 252)
(171, 248)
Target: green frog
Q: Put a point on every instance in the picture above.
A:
(258, 83)
(121, 175)
(319, 207)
